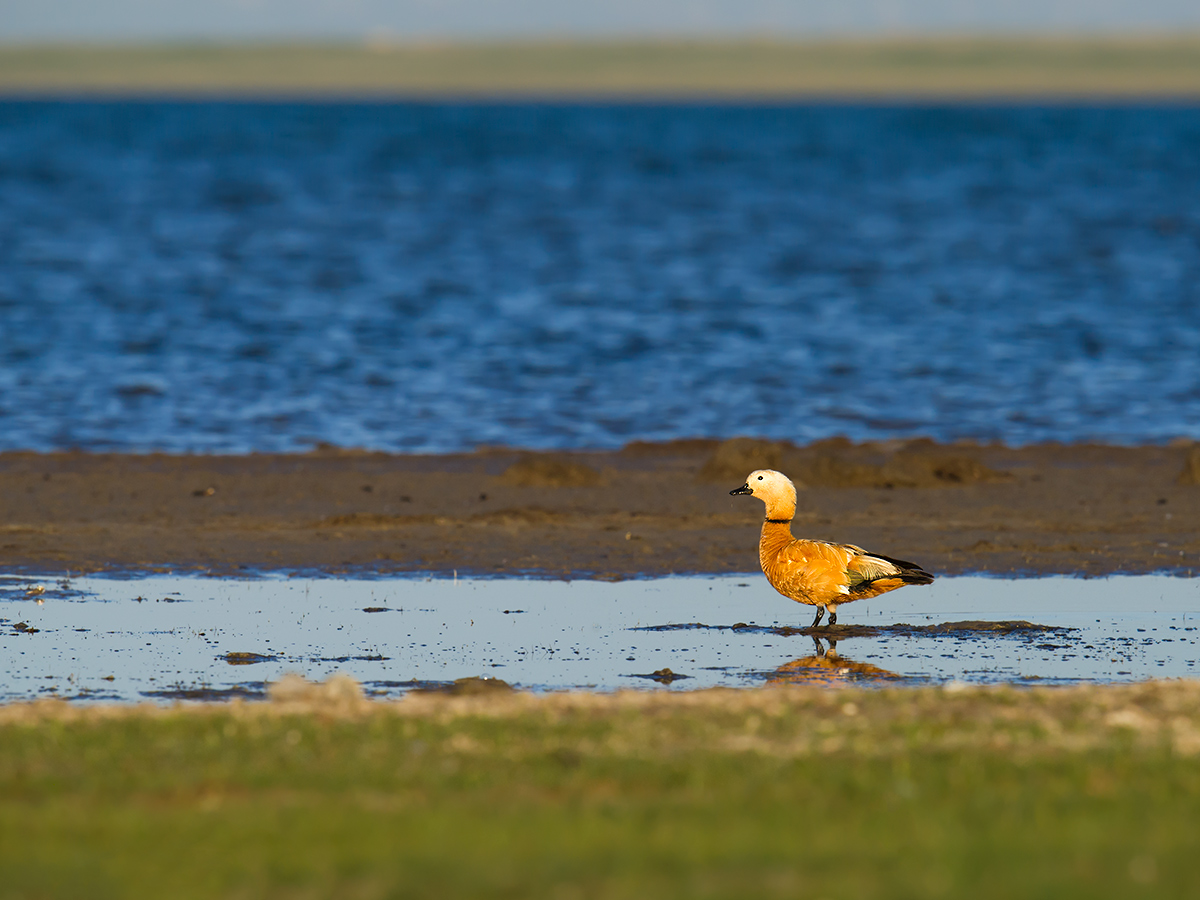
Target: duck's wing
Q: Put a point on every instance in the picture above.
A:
(814, 569)
(871, 574)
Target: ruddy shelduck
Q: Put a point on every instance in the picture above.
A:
(818, 573)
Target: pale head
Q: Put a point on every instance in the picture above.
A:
(774, 489)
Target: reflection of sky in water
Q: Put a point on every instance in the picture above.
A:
(157, 633)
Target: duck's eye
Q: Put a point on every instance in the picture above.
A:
(760, 478)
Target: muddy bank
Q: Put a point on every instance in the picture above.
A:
(648, 509)
(833, 633)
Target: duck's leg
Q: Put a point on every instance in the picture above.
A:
(820, 615)
(832, 613)
(832, 619)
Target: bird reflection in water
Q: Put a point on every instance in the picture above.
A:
(827, 666)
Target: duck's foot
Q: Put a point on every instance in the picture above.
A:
(820, 615)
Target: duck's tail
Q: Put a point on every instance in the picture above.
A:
(909, 572)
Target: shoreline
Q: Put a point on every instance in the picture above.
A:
(949, 69)
(645, 510)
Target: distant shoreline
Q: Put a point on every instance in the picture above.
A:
(917, 69)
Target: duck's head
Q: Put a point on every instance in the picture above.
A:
(773, 488)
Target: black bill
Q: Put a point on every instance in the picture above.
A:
(744, 489)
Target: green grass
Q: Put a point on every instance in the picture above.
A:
(949, 67)
(771, 793)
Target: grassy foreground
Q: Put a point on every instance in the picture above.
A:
(791, 792)
(945, 68)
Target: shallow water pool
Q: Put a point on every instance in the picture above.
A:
(169, 637)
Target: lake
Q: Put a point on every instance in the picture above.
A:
(231, 277)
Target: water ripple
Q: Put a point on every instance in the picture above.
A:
(235, 276)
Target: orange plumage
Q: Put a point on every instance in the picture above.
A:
(818, 573)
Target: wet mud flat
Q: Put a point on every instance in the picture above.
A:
(647, 509)
(173, 637)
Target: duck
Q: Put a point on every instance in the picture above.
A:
(818, 573)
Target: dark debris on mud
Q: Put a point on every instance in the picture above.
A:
(241, 658)
(662, 676)
(250, 690)
(460, 687)
(971, 628)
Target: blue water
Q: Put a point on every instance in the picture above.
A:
(235, 277)
(119, 639)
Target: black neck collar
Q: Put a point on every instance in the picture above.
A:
(780, 521)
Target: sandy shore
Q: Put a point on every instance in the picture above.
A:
(947, 68)
(643, 510)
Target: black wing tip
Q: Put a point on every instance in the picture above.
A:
(910, 572)
(901, 563)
